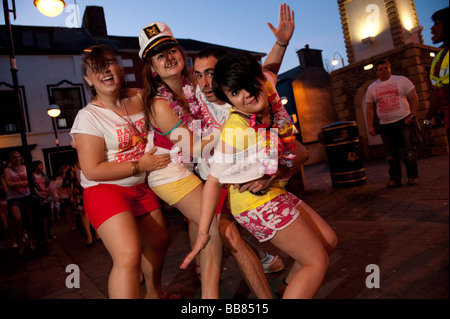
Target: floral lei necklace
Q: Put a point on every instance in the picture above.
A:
(187, 118)
(284, 141)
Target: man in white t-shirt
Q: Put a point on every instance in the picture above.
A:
(216, 112)
(395, 101)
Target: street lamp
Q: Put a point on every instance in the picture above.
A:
(12, 60)
(54, 111)
(50, 8)
(335, 61)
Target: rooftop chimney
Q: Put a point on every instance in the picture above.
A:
(310, 57)
(94, 21)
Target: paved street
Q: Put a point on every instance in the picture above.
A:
(403, 231)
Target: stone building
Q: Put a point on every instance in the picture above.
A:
(375, 29)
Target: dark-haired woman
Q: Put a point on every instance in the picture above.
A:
(258, 140)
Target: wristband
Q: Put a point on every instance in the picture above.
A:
(135, 168)
(282, 44)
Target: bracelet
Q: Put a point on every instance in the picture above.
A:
(282, 44)
(135, 168)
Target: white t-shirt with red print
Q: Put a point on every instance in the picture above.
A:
(122, 142)
(390, 98)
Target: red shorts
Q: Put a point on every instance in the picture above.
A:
(103, 201)
(223, 206)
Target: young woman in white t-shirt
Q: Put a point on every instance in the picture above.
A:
(110, 136)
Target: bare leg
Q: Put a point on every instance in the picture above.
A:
(17, 226)
(87, 228)
(248, 262)
(322, 230)
(121, 239)
(193, 232)
(320, 227)
(211, 255)
(258, 251)
(300, 242)
(154, 238)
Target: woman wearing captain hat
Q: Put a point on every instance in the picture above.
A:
(172, 112)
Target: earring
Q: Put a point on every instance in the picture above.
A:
(154, 74)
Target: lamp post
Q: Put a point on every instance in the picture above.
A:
(54, 111)
(335, 61)
(14, 70)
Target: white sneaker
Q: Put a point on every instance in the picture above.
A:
(272, 264)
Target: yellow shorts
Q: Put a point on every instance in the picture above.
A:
(173, 192)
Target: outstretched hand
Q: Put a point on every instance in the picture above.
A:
(202, 241)
(286, 24)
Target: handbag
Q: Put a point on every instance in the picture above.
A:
(417, 138)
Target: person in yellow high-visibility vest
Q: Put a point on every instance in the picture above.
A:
(439, 70)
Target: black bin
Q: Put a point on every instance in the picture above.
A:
(344, 158)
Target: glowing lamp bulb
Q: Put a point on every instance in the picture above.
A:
(50, 8)
(54, 110)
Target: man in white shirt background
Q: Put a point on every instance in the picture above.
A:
(394, 99)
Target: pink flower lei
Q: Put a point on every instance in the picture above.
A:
(180, 111)
(284, 142)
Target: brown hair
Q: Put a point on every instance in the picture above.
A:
(97, 58)
(151, 83)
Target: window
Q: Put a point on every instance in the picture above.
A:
(70, 98)
(9, 110)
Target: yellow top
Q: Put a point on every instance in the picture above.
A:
(240, 140)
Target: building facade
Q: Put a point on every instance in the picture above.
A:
(382, 29)
(372, 30)
(48, 62)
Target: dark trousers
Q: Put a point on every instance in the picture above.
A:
(397, 143)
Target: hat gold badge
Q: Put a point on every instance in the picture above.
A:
(151, 31)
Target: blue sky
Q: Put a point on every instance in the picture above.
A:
(236, 23)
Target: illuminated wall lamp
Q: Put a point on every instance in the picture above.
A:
(367, 41)
(368, 67)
